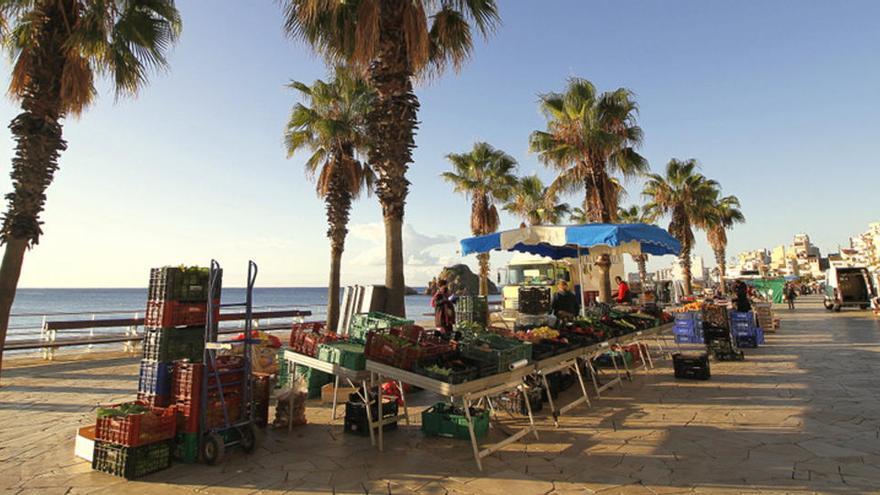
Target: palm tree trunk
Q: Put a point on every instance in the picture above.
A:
(10, 270)
(685, 260)
(641, 262)
(483, 258)
(37, 131)
(722, 268)
(391, 124)
(338, 200)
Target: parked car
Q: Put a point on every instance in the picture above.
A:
(848, 287)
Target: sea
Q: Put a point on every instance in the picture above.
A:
(33, 305)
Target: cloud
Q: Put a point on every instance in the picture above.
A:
(424, 254)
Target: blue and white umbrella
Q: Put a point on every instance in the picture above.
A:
(569, 241)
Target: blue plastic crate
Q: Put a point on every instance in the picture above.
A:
(689, 339)
(155, 377)
(746, 341)
(689, 316)
(738, 316)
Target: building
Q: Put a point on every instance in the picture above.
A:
(699, 271)
(756, 261)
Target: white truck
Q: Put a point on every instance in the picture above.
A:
(848, 287)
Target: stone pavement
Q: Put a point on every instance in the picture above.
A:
(800, 415)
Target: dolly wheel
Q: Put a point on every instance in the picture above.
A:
(836, 308)
(249, 438)
(213, 449)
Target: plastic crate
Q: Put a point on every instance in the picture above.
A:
(186, 448)
(472, 309)
(314, 380)
(363, 323)
(155, 377)
(462, 369)
(688, 316)
(131, 462)
(689, 339)
(346, 354)
(164, 314)
(396, 350)
(154, 400)
(356, 416)
(444, 420)
(691, 366)
(171, 344)
(186, 387)
(499, 351)
(133, 430)
(533, 300)
(282, 379)
(184, 284)
(748, 341)
(309, 343)
(262, 393)
(214, 410)
(300, 329)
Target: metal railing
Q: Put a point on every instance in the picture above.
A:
(85, 329)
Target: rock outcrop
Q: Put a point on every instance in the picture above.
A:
(460, 278)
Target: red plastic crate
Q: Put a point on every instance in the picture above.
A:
(299, 330)
(214, 416)
(154, 400)
(137, 429)
(402, 356)
(164, 314)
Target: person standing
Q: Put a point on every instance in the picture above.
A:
(444, 307)
(565, 302)
(790, 295)
(741, 291)
(623, 293)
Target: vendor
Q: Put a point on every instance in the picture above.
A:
(623, 292)
(444, 307)
(565, 302)
(741, 290)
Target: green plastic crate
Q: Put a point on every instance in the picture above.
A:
(346, 354)
(501, 352)
(186, 448)
(314, 380)
(283, 378)
(171, 344)
(131, 462)
(472, 309)
(442, 420)
(362, 323)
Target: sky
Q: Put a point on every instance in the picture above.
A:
(778, 100)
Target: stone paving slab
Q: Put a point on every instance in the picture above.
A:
(800, 415)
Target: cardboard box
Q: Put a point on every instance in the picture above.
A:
(342, 394)
(84, 447)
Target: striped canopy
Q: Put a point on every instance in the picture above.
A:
(558, 241)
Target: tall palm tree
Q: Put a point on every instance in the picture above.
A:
(395, 42)
(486, 176)
(635, 214)
(589, 137)
(578, 215)
(725, 213)
(58, 47)
(531, 201)
(330, 123)
(688, 196)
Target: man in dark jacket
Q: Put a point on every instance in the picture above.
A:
(565, 302)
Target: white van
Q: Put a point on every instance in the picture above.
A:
(850, 286)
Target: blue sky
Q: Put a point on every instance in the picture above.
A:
(777, 99)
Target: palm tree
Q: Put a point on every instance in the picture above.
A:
(531, 201)
(485, 175)
(688, 196)
(58, 48)
(589, 137)
(725, 212)
(330, 124)
(635, 214)
(578, 216)
(395, 42)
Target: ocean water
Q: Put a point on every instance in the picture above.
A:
(32, 305)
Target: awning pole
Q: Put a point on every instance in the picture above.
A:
(582, 305)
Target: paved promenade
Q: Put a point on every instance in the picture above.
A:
(800, 415)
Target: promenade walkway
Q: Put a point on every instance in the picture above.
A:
(800, 415)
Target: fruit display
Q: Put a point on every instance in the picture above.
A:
(691, 306)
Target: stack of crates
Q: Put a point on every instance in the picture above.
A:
(534, 300)
(744, 329)
(764, 315)
(177, 308)
(472, 309)
(186, 394)
(688, 327)
(364, 323)
(356, 414)
(132, 444)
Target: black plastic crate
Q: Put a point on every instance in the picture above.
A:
(725, 350)
(184, 284)
(691, 366)
(356, 416)
(461, 369)
(472, 309)
(173, 344)
(746, 341)
(533, 300)
(131, 462)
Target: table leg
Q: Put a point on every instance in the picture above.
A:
(335, 389)
(549, 400)
(466, 404)
(616, 368)
(576, 369)
(525, 395)
(593, 376)
(366, 398)
(381, 411)
(403, 399)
